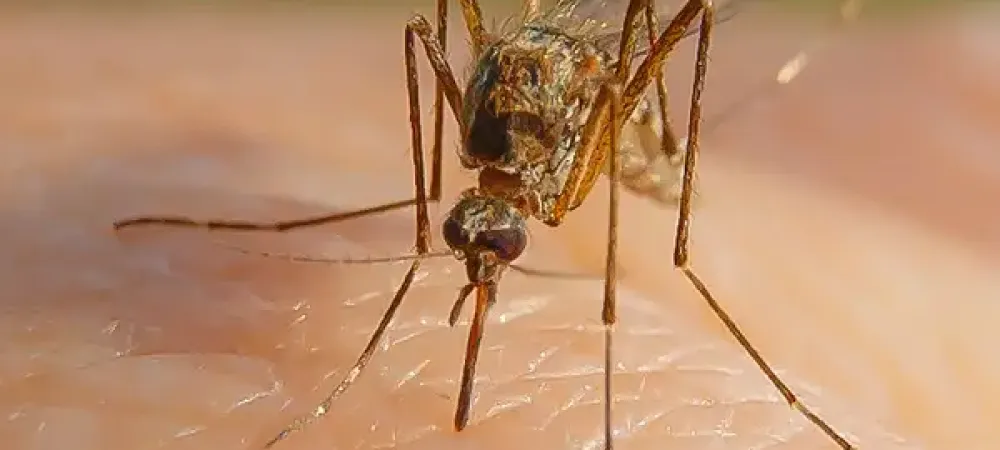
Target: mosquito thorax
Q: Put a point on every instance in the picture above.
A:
(529, 93)
(484, 228)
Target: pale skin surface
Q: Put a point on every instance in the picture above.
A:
(876, 293)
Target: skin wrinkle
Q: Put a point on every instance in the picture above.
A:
(576, 400)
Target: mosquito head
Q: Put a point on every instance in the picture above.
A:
(487, 232)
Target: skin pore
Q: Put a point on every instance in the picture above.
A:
(868, 286)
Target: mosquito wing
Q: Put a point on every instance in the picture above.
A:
(609, 15)
(753, 52)
(754, 45)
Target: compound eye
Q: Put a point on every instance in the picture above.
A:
(507, 244)
(454, 234)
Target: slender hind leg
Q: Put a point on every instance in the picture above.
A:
(683, 232)
(597, 143)
(668, 142)
(581, 182)
(609, 310)
(439, 87)
(651, 159)
(609, 99)
(416, 28)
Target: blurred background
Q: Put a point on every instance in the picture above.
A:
(874, 175)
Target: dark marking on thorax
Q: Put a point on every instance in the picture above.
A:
(524, 107)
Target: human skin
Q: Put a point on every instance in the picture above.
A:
(844, 221)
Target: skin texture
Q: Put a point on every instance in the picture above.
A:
(844, 220)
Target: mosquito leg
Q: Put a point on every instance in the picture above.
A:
(668, 140)
(609, 311)
(554, 274)
(684, 225)
(352, 374)
(417, 26)
(436, 152)
(530, 9)
(651, 159)
(451, 92)
(593, 152)
(244, 225)
(590, 158)
(474, 22)
(626, 49)
(587, 164)
(486, 295)
(657, 54)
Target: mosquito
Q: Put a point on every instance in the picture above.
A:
(540, 118)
